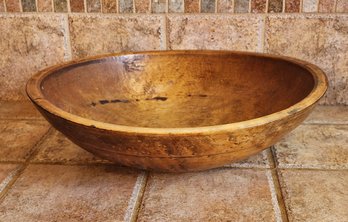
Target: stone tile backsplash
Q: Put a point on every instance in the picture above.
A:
(176, 6)
(50, 32)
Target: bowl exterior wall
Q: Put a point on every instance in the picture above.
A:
(177, 152)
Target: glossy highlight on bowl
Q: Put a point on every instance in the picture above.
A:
(177, 111)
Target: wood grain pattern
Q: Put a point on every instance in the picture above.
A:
(177, 110)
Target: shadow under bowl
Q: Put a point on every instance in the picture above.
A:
(177, 111)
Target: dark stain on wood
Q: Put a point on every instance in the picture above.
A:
(158, 98)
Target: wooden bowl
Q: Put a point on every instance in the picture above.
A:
(177, 110)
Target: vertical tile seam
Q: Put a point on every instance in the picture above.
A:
(269, 156)
(33, 152)
(263, 32)
(67, 5)
(5, 6)
(36, 6)
(101, 6)
(136, 198)
(52, 7)
(249, 7)
(283, 9)
(183, 5)
(20, 6)
(150, 6)
(216, 6)
(277, 186)
(267, 3)
(274, 199)
(85, 3)
(67, 39)
(165, 38)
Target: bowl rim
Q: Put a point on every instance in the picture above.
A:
(35, 94)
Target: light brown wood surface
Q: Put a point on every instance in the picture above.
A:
(177, 110)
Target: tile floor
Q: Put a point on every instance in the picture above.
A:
(44, 177)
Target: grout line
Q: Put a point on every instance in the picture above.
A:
(240, 167)
(325, 124)
(101, 7)
(283, 9)
(277, 186)
(249, 7)
(183, 6)
(279, 216)
(36, 6)
(309, 168)
(136, 197)
(67, 39)
(8, 179)
(52, 2)
(116, 6)
(263, 33)
(12, 181)
(39, 119)
(165, 38)
(23, 166)
(278, 195)
(273, 157)
(167, 6)
(5, 6)
(150, 6)
(85, 3)
(216, 6)
(133, 1)
(35, 150)
(20, 6)
(68, 6)
(267, 3)
(335, 7)
(270, 159)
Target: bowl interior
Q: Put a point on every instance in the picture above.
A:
(177, 89)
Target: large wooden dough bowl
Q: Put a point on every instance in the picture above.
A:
(177, 110)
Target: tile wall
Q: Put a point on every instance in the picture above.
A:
(175, 6)
(38, 33)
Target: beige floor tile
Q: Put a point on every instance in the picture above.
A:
(328, 115)
(18, 110)
(313, 195)
(7, 172)
(215, 195)
(259, 160)
(17, 138)
(314, 146)
(69, 193)
(57, 148)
